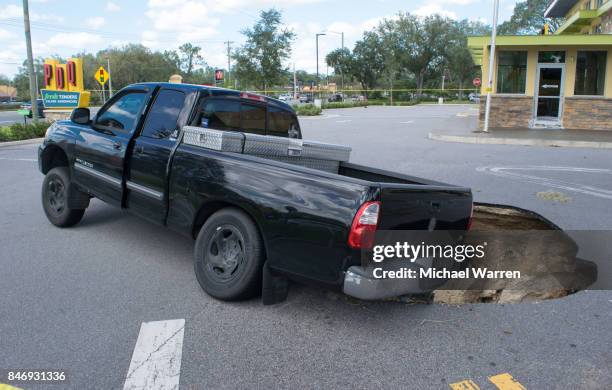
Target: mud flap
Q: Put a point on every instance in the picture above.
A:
(274, 288)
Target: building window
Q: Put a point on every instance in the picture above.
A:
(551, 57)
(598, 29)
(590, 73)
(511, 71)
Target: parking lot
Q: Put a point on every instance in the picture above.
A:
(75, 299)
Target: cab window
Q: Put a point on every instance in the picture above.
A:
(282, 123)
(122, 115)
(220, 114)
(253, 118)
(163, 116)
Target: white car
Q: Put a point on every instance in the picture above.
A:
(285, 98)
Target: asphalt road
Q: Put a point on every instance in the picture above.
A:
(75, 299)
(10, 117)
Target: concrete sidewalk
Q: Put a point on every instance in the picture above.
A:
(528, 137)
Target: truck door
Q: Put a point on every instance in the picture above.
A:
(101, 150)
(150, 161)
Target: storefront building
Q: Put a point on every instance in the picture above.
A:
(553, 81)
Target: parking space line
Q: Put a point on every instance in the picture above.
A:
(464, 385)
(156, 361)
(17, 159)
(560, 184)
(505, 381)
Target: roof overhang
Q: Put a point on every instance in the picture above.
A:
(559, 8)
(476, 45)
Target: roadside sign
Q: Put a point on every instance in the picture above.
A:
(60, 99)
(219, 75)
(101, 76)
(476, 82)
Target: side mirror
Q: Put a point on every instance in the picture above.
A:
(80, 115)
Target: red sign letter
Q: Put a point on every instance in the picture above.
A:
(48, 69)
(59, 77)
(71, 73)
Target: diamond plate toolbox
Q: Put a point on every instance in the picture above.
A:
(324, 151)
(223, 141)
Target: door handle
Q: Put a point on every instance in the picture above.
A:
(117, 145)
(139, 149)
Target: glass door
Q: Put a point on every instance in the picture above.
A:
(549, 91)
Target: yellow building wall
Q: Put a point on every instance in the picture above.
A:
(532, 62)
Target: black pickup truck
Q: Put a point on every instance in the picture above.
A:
(257, 222)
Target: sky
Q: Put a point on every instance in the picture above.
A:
(66, 27)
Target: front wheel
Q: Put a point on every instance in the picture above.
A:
(55, 198)
(229, 256)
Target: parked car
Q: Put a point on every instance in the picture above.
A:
(474, 97)
(336, 97)
(306, 98)
(230, 170)
(285, 97)
(358, 98)
(40, 106)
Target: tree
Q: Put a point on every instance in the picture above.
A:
(341, 60)
(528, 19)
(189, 56)
(391, 49)
(21, 80)
(421, 44)
(259, 62)
(458, 60)
(367, 62)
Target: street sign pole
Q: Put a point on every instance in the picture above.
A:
(491, 70)
(110, 80)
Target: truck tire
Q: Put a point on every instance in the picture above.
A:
(55, 198)
(229, 256)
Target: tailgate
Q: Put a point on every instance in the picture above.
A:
(424, 207)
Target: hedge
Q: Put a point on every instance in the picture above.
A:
(19, 131)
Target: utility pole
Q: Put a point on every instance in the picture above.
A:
(228, 59)
(294, 83)
(110, 82)
(491, 70)
(32, 76)
(341, 71)
(317, 48)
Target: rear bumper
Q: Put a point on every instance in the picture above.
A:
(363, 283)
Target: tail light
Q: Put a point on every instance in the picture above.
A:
(363, 228)
(469, 224)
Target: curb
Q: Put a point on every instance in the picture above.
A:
(520, 142)
(22, 142)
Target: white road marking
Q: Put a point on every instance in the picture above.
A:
(324, 116)
(17, 159)
(407, 122)
(344, 121)
(561, 184)
(156, 361)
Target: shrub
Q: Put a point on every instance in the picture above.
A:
(307, 109)
(18, 131)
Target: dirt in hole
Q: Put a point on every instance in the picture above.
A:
(547, 271)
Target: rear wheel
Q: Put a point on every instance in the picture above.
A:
(55, 190)
(229, 256)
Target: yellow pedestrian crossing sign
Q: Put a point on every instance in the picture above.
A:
(101, 76)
